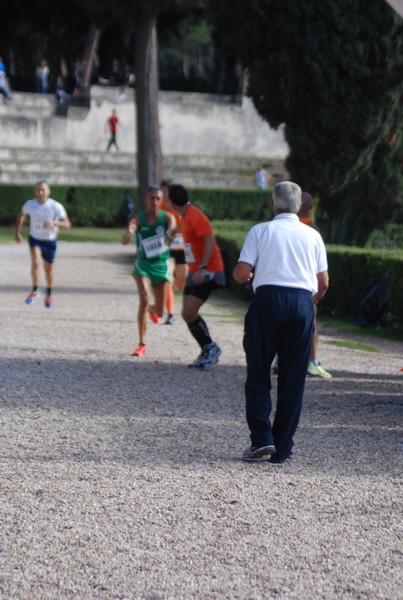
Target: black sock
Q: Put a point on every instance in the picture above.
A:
(49, 291)
(200, 332)
(35, 288)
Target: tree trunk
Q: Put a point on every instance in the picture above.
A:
(91, 47)
(149, 154)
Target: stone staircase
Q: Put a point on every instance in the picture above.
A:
(30, 117)
(26, 165)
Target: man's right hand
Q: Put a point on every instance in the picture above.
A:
(18, 238)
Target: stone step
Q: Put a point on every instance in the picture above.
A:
(24, 165)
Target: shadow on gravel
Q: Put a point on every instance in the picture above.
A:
(139, 413)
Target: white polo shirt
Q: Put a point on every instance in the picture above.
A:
(38, 213)
(285, 252)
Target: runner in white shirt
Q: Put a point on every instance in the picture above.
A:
(45, 217)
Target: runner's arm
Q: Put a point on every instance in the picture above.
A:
(209, 241)
(171, 224)
(20, 222)
(130, 231)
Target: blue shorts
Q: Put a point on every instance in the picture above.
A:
(48, 248)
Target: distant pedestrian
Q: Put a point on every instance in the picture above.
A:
(4, 87)
(42, 77)
(262, 177)
(112, 123)
(290, 276)
(2, 66)
(62, 98)
(45, 217)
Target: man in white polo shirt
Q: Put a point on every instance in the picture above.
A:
(45, 218)
(290, 276)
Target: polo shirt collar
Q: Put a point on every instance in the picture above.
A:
(292, 216)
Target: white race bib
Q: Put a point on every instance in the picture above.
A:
(38, 227)
(189, 254)
(154, 245)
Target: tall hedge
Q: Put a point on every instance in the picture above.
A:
(103, 206)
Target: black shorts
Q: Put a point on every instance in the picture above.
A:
(202, 291)
(178, 256)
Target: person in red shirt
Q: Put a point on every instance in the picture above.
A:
(112, 123)
(206, 272)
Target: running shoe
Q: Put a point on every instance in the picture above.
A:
(154, 318)
(208, 358)
(169, 320)
(318, 370)
(196, 364)
(255, 454)
(31, 297)
(48, 301)
(140, 350)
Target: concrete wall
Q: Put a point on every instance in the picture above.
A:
(191, 124)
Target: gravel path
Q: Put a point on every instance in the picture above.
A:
(121, 478)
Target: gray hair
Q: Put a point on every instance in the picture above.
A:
(287, 197)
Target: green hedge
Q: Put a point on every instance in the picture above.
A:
(104, 206)
(86, 205)
(354, 271)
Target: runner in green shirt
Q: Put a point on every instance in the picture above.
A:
(151, 268)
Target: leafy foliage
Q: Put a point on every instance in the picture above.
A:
(331, 71)
(389, 238)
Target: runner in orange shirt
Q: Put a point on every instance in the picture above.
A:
(206, 272)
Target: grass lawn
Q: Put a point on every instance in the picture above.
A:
(76, 234)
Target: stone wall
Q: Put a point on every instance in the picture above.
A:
(196, 124)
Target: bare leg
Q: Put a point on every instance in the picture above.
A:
(48, 267)
(190, 308)
(160, 292)
(144, 303)
(180, 277)
(35, 258)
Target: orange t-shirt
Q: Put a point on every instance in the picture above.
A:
(177, 242)
(163, 206)
(194, 225)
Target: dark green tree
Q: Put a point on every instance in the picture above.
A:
(332, 73)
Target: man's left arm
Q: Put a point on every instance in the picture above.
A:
(242, 272)
(323, 284)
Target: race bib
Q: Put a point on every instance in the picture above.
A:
(189, 254)
(38, 227)
(154, 245)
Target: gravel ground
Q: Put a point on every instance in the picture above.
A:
(121, 478)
